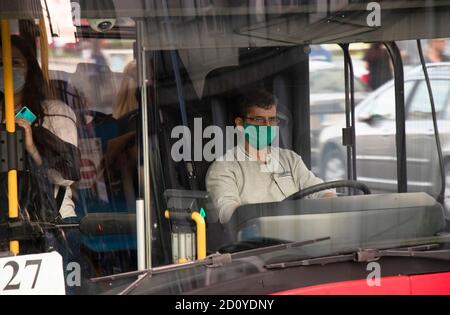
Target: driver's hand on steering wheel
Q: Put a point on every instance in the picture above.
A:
(329, 194)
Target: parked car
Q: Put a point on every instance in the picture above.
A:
(375, 117)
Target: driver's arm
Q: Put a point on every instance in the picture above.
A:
(305, 178)
(328, 194)
(222, 183)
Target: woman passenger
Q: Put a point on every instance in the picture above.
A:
(31, 90)
(52, 156)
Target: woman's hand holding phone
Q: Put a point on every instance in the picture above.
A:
(29, 143)
(24, 119)
(26, 114)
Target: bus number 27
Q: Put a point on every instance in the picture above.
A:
(15, 268)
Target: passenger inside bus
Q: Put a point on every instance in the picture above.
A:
(126, 100)
(109, 164)
(122, 152)
(52, 163)
(251, 172)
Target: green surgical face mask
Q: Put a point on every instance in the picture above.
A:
(258, 136)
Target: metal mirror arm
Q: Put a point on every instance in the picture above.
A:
(348, 133)
(400, 116)
(441, 196)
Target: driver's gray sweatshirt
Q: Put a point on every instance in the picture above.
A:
(236, 179)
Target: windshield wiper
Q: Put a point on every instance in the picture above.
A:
(368, 255)
(268, 249)
(214, 260)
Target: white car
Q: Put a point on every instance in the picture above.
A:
(376, 135)
(327, 99)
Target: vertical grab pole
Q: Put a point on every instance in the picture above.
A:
(13, 204)
(140, 224)
(146, 191)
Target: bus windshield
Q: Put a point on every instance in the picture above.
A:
(188, 129)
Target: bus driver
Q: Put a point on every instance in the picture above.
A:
(254, 176)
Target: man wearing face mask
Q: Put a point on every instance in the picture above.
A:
(255, 171)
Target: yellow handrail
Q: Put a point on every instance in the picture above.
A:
(13, 205)
(201, 232)
(201, 235)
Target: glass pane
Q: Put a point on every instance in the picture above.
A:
(424, 173)
(229, 130)
(327, 100)
(80, 167)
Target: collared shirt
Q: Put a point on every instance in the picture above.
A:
(241, 180)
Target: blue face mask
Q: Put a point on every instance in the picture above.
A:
(18, 79)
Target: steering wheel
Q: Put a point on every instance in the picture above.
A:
(324, 186)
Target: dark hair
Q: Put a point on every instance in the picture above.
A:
(254, 97)
(35, 89)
